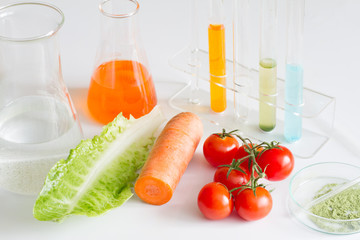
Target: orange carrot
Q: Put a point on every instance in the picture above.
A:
(169, 158)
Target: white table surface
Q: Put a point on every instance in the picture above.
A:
(332, 61)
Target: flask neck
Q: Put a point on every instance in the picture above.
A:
(119, 30)
(29, 46)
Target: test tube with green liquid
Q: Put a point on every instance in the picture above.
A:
(267, 65)
(294, 70)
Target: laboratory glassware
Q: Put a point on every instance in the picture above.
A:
(121, 81)
(294, 70)
(194, 61)
(268, 65)
(217, 60)
(318, 110)
(38, 122)
(241, 73)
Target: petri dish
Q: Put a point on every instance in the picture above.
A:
(337, 214)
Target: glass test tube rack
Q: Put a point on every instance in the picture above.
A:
(242, 93)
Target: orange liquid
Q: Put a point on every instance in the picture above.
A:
(120, 86)
(216, 34)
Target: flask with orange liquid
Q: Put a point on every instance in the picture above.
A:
(121, 81)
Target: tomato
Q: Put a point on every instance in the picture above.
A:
(251, 207)
(215, 201)
(279, 163)
(235, 179)
(220, 149)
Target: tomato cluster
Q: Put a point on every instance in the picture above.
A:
(236, 178)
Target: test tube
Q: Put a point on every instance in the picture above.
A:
(194, 61)
(217, 60)
(240, 58)
(268, 65)
(294, 70)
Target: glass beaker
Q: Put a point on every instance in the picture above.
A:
(38, 122)
(121, 81)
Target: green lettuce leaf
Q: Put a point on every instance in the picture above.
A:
(99, 173)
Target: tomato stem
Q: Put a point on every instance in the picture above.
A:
(254, 153)
(235, 165)
(225, 134)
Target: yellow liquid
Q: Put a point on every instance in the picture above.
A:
(217, 62)
(267, 94)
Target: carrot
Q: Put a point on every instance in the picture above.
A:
(169, 158)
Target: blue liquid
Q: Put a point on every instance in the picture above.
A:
(293, 102)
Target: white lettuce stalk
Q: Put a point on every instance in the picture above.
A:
(99, 173)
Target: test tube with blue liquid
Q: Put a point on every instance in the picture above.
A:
(294, 70)
(268, 65)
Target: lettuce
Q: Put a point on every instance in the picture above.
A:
(99, 173)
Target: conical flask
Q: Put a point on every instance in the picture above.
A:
(121, 81)
(38, 122)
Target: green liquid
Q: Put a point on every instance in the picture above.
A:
(267, 94)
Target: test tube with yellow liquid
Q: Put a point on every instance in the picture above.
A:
(217, 60)
(267, 65)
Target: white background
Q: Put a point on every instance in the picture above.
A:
(332, 64)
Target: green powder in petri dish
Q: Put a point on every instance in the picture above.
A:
(343, 206)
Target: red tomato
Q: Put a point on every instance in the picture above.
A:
(235, 179)
(279, 163)
(220, 150)
(251, 207)
(215, 201)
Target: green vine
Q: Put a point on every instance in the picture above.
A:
(254, 152)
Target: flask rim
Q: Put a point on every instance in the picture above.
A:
(119, 15)
(49, 33)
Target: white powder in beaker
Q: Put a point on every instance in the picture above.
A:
(25, 177)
